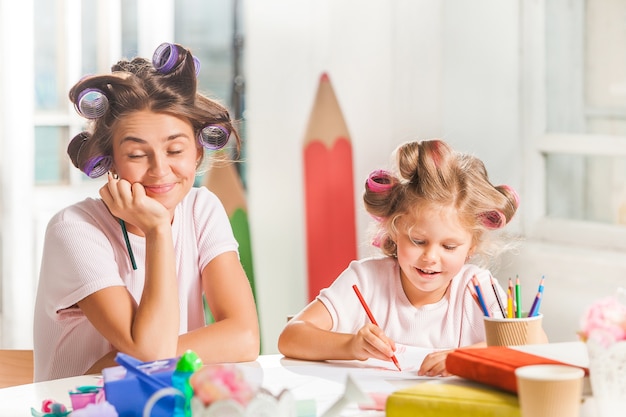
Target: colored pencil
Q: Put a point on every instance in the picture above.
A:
(481, 298)
(509, 304)
(534, 309)
(474, 296)
(328, 191)
(512, 292)
(127, 241)
(498, 299)
(518, 298)
(372, 319)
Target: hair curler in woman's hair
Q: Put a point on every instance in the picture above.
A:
(97, 166)
(94, 166)
(380, 181)
(168, 56)
(92, 103)
(213, 137)
(493, 219)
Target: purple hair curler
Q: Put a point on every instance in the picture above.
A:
(213, 137)
(97, 166)
(168, 56)
(196, 63)
(92, 103)
(379, 181)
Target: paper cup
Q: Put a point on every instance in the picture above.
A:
(549, 390)
(514, 332)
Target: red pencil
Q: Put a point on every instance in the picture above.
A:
(328, 191)
(372, 319)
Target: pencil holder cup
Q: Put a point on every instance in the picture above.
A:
(514, 332)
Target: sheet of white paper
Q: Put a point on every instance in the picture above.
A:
(372, 375)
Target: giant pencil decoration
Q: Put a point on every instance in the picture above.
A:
(329, 191)
(224, 181)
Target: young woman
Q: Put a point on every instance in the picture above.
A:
(128, 272)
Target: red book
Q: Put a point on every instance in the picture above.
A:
(496, 365)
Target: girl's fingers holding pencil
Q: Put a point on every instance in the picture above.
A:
(371, 342)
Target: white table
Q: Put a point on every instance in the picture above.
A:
(321, 381)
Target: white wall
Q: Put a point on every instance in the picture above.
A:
(401, 70)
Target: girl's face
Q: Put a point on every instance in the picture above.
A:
(430, 253)
(160, 152)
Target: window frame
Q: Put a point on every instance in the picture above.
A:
(537, 142)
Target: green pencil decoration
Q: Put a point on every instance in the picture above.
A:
(518, 298)
(223, 180)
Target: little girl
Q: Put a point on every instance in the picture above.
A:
(433, 216)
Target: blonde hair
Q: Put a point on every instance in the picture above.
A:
(431, 174)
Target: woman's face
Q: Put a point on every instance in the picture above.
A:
(160, 152)
(431, 252)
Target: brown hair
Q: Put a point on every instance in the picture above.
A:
(137, 85)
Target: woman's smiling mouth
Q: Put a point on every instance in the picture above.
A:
(159, 189)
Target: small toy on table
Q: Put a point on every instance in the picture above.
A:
(50, 408)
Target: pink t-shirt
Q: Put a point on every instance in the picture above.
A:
(452, 322)
(85, 251)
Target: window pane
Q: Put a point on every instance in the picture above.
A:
(586, 94)
(50, 158)
(206, 27)
(89, 36)
(591, 188)
(49, 87)
(130, 45)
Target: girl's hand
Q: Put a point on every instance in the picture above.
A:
(371, 342)
(434, 364)
(130, 203)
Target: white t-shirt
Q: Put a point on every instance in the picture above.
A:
(85, 251)
(454, 321)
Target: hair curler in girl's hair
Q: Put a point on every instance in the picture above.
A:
(168, 56)
(493, 219)
(92, 103)
(213, 137)
(380, 181)
(513, 192)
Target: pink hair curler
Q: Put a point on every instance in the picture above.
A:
(493, 219)
(380, 181)
(512, 191)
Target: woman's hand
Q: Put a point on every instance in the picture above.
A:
(130, 203)
(371, 342)
(434, 364)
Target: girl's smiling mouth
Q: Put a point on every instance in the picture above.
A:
(427, 272)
